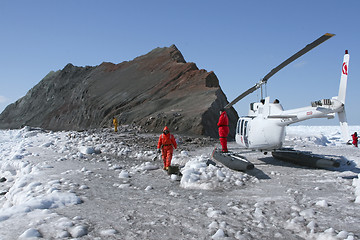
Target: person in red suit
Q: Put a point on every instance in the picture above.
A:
(355, 139)
(223, 126)
(166, 145)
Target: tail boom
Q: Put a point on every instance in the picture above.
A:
(343, 79)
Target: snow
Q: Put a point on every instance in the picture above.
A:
(103, 185)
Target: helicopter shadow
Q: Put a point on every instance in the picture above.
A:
(345, 166)
(259, 174)
(268, 161)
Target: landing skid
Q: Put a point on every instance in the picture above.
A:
(304, 158)
(232, 160)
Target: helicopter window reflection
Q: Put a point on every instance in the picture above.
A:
(238, 127)
(242, 126)
(245, 134)
(245, 125)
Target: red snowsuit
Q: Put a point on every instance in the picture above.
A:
(166, 143)
(223, 125)
(355, 139)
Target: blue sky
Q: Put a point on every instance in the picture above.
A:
(241, 41)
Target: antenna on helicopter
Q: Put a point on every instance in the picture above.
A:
(306, 49)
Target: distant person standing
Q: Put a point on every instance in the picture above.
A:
(355, 139)
(223, 126)
(115, 123)
(166, 145)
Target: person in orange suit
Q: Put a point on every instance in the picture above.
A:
(166, 145)
(115, 123)
(355, 139)
(223, 126)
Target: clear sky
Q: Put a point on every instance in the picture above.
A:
(241, 41)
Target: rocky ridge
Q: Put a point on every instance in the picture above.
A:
(157, 89)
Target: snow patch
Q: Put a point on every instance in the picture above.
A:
(30, 233)
(28, 195)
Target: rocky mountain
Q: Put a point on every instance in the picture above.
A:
(153, 90)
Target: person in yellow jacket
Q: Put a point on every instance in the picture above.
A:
(166, 145)
(115, 123)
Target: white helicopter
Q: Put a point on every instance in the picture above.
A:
(264, 127)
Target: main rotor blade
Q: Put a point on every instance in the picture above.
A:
(306, 49)
(241, 96)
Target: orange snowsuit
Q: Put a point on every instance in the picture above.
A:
(115, 123)
(223, 125)
(166, 143)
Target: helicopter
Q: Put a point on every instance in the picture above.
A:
(263, 129)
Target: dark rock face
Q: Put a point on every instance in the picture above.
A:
(153, 90)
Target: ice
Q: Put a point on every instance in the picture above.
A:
(79, 231)
(124, 174)
(30, 233)
(89, 150)
(108, 232)
(356, 184)
(219, 234)
(322, 203)
(148, 188)
(146, 166)
(99, 185)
